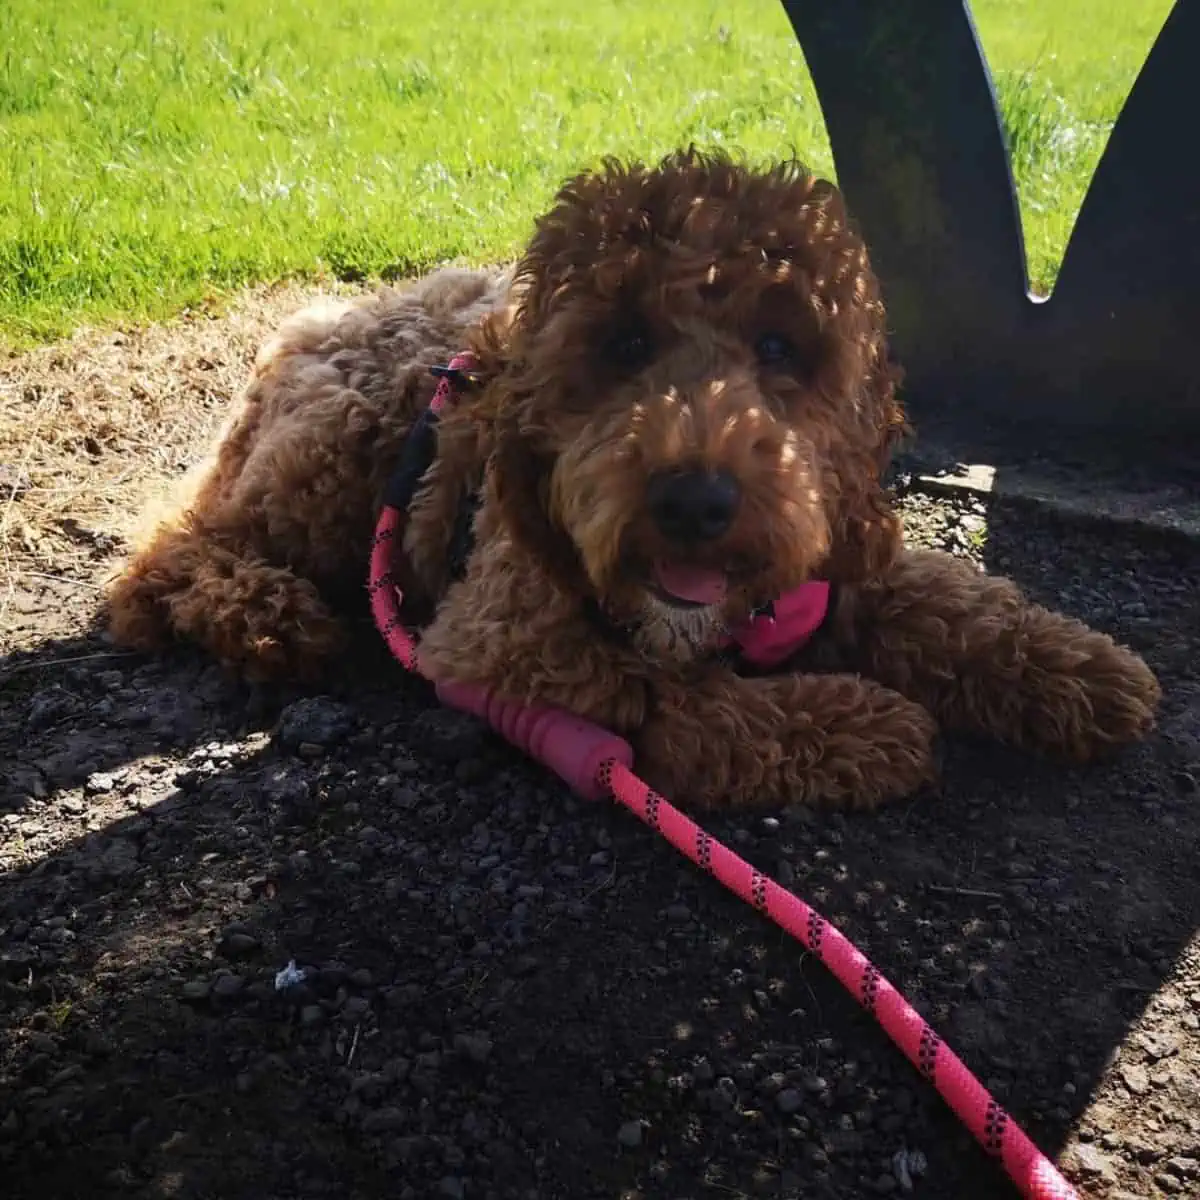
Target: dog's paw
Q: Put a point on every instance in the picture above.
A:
(135, 612)
(882, 748)
(293, 637)
(1091, 696)
(264, 623)
(769, 742)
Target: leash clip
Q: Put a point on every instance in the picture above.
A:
(455, 375)
(766, 611)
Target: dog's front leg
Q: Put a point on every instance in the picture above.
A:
(511, 631)
(726, 739)
(971, 649)
(710, 739)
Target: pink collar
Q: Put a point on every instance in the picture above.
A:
(768, 639)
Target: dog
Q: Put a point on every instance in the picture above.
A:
(680, 413)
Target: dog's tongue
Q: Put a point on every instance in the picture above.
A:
(696, 585)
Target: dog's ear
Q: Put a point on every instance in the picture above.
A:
(518, 468)
(491, 341)
(520, 479)
(867, 533)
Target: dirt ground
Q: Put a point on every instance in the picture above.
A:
(504, 992)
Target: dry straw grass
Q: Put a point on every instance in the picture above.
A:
(93, 427)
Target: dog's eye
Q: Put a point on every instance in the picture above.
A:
(630, 349)
(773, 349)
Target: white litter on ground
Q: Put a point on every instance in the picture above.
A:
(906, 1164)
(289, 976)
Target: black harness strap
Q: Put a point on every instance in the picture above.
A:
(416, 457)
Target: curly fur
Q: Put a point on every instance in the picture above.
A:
(630, 341)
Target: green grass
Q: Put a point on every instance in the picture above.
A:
(154, 155)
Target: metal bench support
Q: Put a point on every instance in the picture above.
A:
(1111, 357)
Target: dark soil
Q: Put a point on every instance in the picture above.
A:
(508, 993)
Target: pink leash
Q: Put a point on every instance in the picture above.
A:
(597, 764)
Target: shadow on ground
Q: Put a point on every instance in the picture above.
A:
(511, 994)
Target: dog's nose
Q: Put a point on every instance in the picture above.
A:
(693, 506)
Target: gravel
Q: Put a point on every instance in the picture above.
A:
(503, 993)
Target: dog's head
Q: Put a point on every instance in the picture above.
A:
(693, 405)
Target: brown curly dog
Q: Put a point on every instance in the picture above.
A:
(683, 412)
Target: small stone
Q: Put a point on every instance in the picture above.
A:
(285, 785)
(227, 987)
(885, 1184)
(356, 1008)
(196, 990)
(1135, 1079)
(789, 1101)
(99, 784)
(1185, 1167)
(407, 1148)
(474, 1046)
(724, 1094)
(1092, 1164)
(448, 736)
(316, 721)
(119, 859)
(630, 1135)
(1160, 1045)
(384, 1120)
(238, 943)
(311, 1014)
(679, 913)
(370, 1085)
(470, 770)
(74, 1071)
(188, 782)
(1144, 1152)
(845, 1142)
(45, 707)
